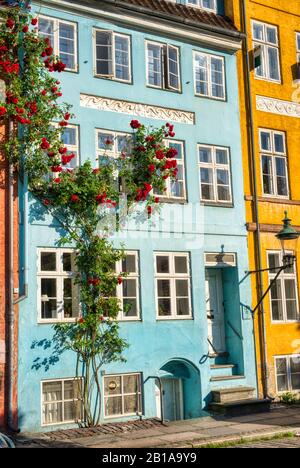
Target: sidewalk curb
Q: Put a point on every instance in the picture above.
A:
(247, 437)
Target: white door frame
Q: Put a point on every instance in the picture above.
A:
(219, 316)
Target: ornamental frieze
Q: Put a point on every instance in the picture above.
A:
(136, 109)
(277, 106)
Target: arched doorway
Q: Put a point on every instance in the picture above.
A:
(181, 391)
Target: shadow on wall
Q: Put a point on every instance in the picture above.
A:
(52, 346)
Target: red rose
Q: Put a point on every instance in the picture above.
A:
(151, 168)
(67, 116)
(120, 280)
(25, 29)
(34, 21)
(51, 154)
(65, 159)
(3, 111)
(57, 180)
(44, 92)
(156, 200)
(62, 150)
(171, 153)
(149, 210)
(56, 169)
(108, 142)
(159, 154)
(149, 139)
(45, 144)
(96, 171)
(148, 187)
(74, 198)
(101, 198)
(46, 202)
(81, 320)
(171, 134)
(135, 124)
(10, 23)
(63, 123)
(49, 51)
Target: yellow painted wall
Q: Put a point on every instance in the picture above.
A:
(282, 339)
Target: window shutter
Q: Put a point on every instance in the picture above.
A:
(171, 53)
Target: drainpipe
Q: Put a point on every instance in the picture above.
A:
(250, 125)
(10, 308)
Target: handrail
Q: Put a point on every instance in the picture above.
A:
(212, 347)
(235, 331)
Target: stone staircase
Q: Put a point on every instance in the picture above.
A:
(230, 395)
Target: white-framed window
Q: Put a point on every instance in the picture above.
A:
(176, 189)
(112, 144)
(128, 292)
(61, 401)
(70, 139)
(287, 369)
(122, 395)
(163, 66)
(215, 174)
(284, 292)
(173, 285)
(265, 39)
(209, 75)
(298, 47)
(63, 38)
(57, 293)
(210, 5)
(112, 55)
(274, 163)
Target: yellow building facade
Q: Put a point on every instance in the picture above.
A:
(270, 119)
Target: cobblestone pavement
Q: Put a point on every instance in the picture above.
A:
(290, 443)
(187, 433)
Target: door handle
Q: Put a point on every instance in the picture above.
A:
(211, 317)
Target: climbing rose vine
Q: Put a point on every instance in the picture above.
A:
(84, 200)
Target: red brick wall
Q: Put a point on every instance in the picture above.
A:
(4, 220)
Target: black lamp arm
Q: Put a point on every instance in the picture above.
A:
(280, 270)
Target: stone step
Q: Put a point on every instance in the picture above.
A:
(219, 370)
(220, 378)
(228, 395)
(241, 408)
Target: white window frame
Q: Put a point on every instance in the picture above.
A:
(119, 292)
(298, 47)
(288, 359)
(214, 166)
(199, 4)
(282, 277)
(59, 275)
(264, 44)
(113, 76)
(56, 51)
(172, 277)
(122, 395)
(113, 150)
(209, 80)
(274, 155)
(167, 196)
(164, 57)
(70, 379)
(71, 148)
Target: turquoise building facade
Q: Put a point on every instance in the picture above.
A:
(190, 331)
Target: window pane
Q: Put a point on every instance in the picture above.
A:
(224, 193)
(130, 384)
(52, 391)
(182, 288)
(258, 31)
(71, 299)
(183, 306)
(295, 364)
(112, 385)
(113, 406)
(129, 288)
(122, 58)
(273, 63)
(217, 77)
(163, 288)
(265, 141)
(104, 62)
(72, 411)
(221, 156)
(201, 74)
(291, 299)
(279, 143)
(205, 155)
(271, 35)
(276, 301)
(106, 141)
(274, 262)
(68, 261)
(282, 187)
(48, 288)
(46, 29)
(69, 136)
(267, 175)
(48, 261)
(181, 265)
(154, 65)
(131, 404)
(130, 308)
(129, 264)
(282, 383)
(164, 307)
(295, 378)
(173, 68)
(162, 264)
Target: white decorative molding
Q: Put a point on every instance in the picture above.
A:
(135, 109)
(277, 106)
